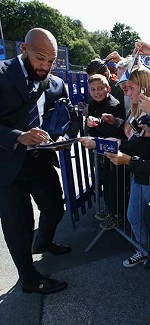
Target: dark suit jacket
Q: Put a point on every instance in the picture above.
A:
(13, 95)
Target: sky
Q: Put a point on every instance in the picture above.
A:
(98, 15)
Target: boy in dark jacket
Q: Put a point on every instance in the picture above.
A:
(104, 102)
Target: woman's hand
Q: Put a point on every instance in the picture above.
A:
(119, 158)
(87, 142)
(144, 103)
(92, 121)
(114, 57)
(109, 118)
(146, 128)
(128, 130)
(142, 47)
(84, 107)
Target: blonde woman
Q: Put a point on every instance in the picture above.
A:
(139, 202)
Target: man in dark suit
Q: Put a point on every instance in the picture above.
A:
(22, 172)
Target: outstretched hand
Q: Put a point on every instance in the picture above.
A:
(144, 103)
(142, 47)
(87, 142)
(119, 158)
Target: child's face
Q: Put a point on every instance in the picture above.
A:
(98, 91)
(133, 91)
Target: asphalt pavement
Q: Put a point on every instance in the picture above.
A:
(100, 290)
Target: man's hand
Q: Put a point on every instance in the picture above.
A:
(33, 137)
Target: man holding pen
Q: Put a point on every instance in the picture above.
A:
(22, 173)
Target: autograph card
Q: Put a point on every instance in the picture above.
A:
(104, 145)
(55, 145)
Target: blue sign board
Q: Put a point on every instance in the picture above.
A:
(18, 44)
(2, 50)
(62, 61)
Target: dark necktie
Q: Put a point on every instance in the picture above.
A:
(33, 114)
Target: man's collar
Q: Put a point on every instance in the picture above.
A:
(22, 65)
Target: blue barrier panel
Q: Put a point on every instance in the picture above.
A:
(77, 90)
(70, 88)
(68, 183)
(78, 185)
(77, 164)
(82, 87)
(85, 83)
(84, 174)
(89, 187)
(79, 179)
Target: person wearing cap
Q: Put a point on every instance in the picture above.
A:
(113, 70)
(121, 67)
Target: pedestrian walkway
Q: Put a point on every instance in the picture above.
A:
(100, 290)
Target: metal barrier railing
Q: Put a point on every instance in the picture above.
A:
(124, 229)
(80, 176)
(79, 189)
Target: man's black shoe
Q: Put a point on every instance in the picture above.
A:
(147, 264)
(44, 286)
(56, 249)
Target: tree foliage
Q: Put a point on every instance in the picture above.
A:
(124, 37)
(18, 17)
(81, 53)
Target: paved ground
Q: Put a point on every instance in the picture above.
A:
(100, 290)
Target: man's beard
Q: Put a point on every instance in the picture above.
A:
(32, 75)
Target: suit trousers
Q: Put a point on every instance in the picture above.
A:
(17, 215)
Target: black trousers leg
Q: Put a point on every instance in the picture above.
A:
(18, 222)
(49, 199)
(18, 227)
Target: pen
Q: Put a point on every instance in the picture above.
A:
(48, 141)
